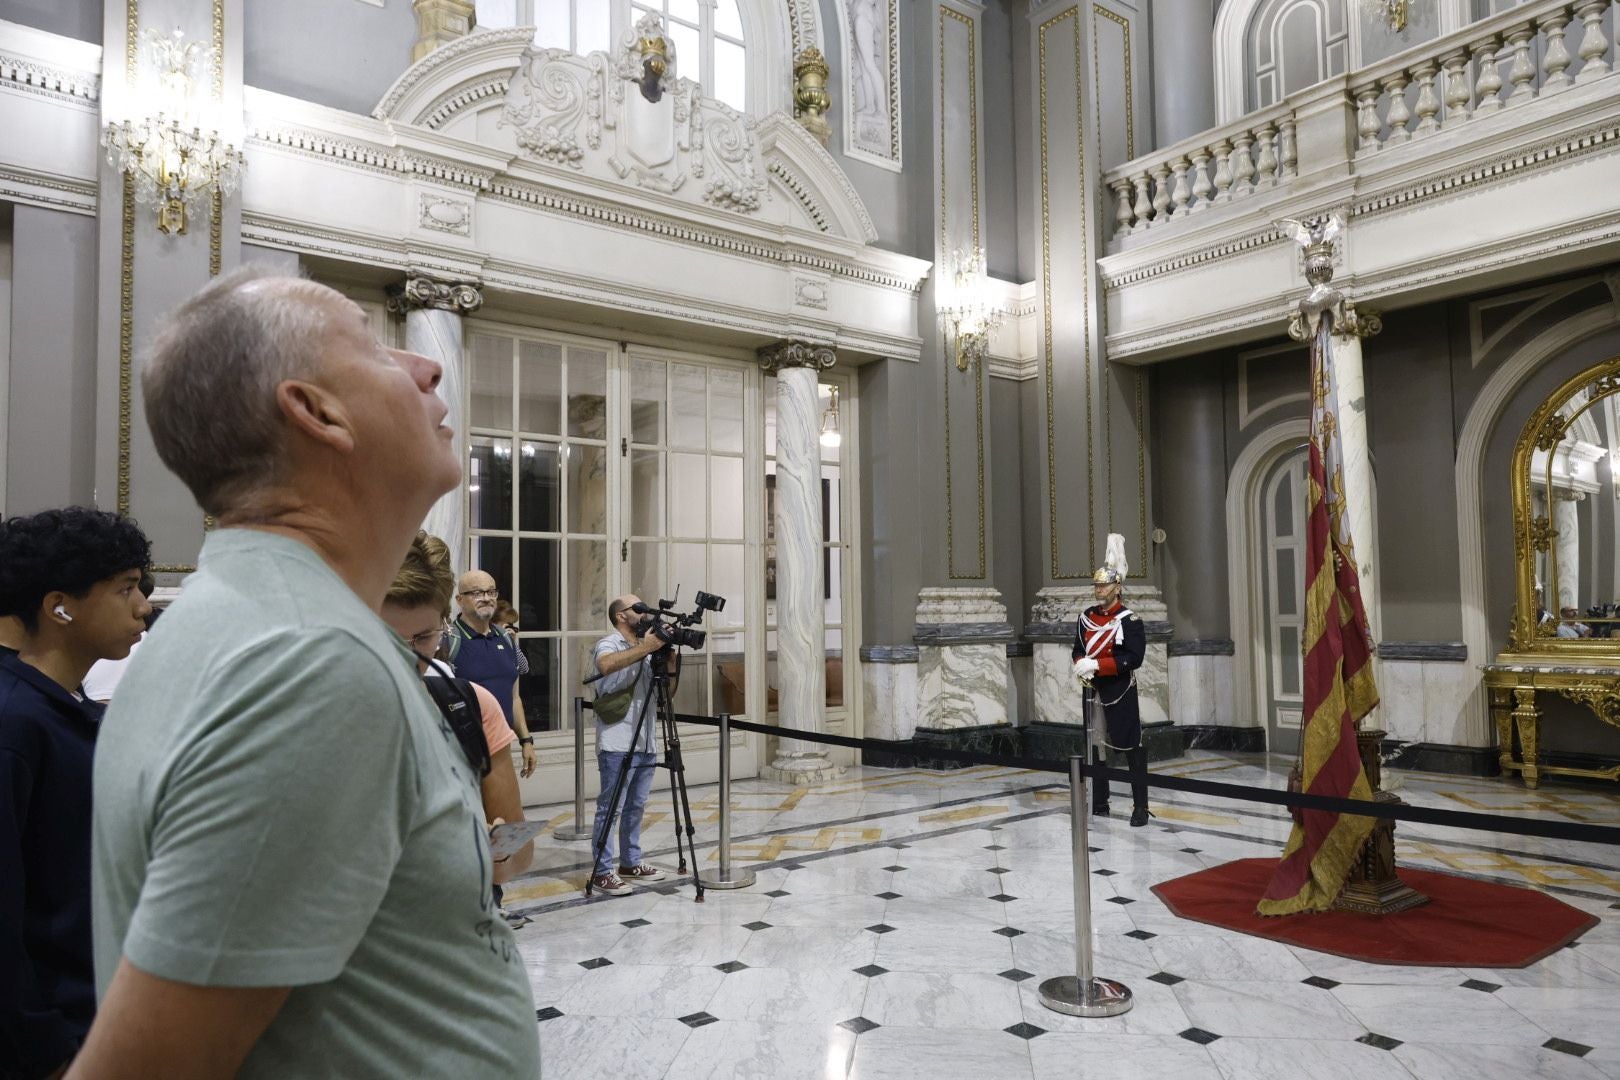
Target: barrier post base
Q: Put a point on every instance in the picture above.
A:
(571, 832)
(1107, 997)
(721, 879)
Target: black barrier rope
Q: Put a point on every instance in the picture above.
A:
(1457, 819)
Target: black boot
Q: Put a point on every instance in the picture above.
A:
(1137, 761)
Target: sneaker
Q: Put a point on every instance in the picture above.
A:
(643, 872)
(1139, 816)
(514, 920)
(609, 883)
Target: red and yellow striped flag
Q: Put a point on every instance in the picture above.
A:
(1339, 688)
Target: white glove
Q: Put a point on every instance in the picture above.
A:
(1085, 668)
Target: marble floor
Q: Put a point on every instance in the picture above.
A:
(902, 920)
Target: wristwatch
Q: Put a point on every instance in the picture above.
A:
(527, 740)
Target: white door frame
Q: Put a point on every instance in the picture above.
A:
(1243, 529)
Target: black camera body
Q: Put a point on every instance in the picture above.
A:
(674, 629)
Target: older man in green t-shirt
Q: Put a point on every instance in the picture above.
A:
(291, 873)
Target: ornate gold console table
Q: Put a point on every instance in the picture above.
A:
(1513, 683)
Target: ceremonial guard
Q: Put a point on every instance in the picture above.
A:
(1109, 644)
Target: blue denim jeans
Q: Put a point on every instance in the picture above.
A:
(632, 803)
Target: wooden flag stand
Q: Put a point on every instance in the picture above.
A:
(1373, 888)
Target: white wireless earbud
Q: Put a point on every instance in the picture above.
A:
(62, 612)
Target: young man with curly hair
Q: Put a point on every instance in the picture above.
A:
(69, 578)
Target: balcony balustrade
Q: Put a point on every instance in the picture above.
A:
(1468, 81)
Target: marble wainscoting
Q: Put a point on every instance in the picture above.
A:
(1201, 688)
(889, 689)
(963, 678)
(1054, 616)
(1423, 687)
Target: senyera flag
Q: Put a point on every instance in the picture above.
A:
(1339, 688)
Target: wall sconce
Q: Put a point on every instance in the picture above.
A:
(1393, 11)
(176, 163)
(968, 310)
(831, 437)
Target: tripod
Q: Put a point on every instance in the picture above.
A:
(679, 799)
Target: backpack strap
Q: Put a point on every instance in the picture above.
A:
(458, 704)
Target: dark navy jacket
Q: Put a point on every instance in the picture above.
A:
(47, 981)
(488, 660)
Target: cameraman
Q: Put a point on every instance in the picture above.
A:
(621, 696)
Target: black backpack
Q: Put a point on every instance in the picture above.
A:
(458, 704)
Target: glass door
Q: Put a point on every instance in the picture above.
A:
(538, 498)
(687, 502)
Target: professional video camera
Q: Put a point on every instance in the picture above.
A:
(673, 628)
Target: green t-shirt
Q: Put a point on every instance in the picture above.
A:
(278, 803)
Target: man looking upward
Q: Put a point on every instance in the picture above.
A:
(484, 654)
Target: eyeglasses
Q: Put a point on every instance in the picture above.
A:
(482, 594)
(426, 638)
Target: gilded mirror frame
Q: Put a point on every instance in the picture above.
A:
(1533, 534)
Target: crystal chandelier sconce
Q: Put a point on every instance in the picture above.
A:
(831, 437)
(968, 310)
(177, 159)
(1394, 12)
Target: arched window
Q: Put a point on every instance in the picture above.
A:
(712, 43)
(1293, 44)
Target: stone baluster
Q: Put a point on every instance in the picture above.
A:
(1288, 147)
(1367, 123)
(1593, 45)
(1398, 113)
(1122, 211)
(434, 314)
(800, 614)
(1161, 193)
(1457, 89)
(1266, 162)
(1488, 87)
(1202, 188)
(1242, 164)
(1523, 72)
(1556, 59)
(1180, 195)
(1223, 171)
(1427, 104)
(1144, 205)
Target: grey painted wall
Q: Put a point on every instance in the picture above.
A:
(1000, 141)
(1189, 484)
(341, 53)
(1007, 499)
(891, 497)
(1411, 433)
(50, 436)
(899, 202)
(79, 19)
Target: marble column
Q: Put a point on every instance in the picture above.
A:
(1183, 69)
(801, 617)
(1567, 522)
(1350, 409)
(433, 313)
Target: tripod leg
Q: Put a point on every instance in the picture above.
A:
(677, 779)
(606, 829)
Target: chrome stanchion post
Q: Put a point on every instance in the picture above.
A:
(1083, 994)
(723, 877)
(580, 829)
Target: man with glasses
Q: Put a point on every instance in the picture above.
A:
(483, 654)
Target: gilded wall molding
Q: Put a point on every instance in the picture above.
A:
(31, 76)
(1130, 81)
(944, 247)
(1056, 571)
(126, 273)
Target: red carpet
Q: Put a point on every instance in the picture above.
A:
(1466, 923)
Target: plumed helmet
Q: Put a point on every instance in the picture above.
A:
(1114, 567)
